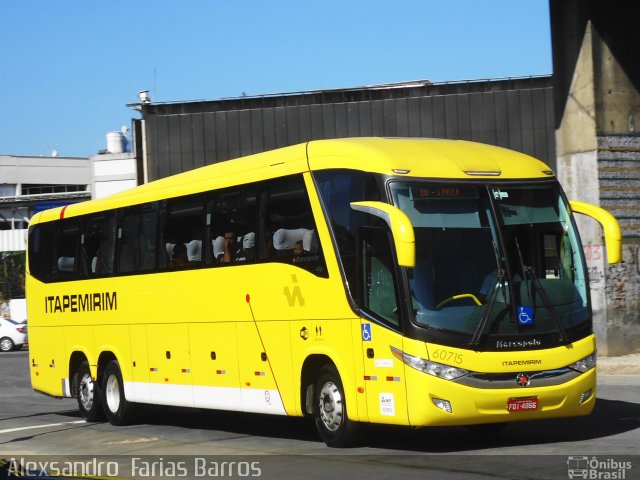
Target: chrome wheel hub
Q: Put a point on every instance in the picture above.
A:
(112, 393)
(86, 391)
(331, 406)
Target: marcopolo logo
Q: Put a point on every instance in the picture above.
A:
(594, 468)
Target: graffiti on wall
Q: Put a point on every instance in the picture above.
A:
(620, 282)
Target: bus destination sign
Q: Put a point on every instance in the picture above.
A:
(443, 192)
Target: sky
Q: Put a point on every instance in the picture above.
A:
(68, 68)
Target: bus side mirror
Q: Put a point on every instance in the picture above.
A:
(400, 226)
(612, 234)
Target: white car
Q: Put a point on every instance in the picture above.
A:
(13, 335)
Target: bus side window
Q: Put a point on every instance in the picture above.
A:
(148, 238)
(231, 212)
(98, 244)
(289, 228)
(378, 287)
(181, 232)
(338, 188)
(127, 234)
(137, 239)
(67, 249)
(41, 252)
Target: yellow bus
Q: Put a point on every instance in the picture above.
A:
(367, 280)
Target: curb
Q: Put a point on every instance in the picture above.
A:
(622, 365)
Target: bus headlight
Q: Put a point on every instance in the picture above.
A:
(432, 368)
(586, 364)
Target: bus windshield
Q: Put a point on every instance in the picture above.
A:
(493, 259)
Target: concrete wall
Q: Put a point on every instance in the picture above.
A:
(112, 173)
(619, 187)
(49, 170)
(598, 146)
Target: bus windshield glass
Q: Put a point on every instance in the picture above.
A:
(493, 259)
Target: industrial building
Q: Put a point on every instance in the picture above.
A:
(513, 113)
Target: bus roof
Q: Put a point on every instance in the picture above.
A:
(426, 158)
(418, 157)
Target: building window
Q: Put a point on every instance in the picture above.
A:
(41, 188)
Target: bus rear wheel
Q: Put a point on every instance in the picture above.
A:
(118, 410)
(330, 410)
(87, 394)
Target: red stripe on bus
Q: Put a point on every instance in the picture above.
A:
(62, 211)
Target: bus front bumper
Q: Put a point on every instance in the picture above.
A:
(445, 402)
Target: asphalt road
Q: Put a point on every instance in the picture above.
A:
(168, 442)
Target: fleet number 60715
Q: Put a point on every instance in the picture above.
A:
(447, 356)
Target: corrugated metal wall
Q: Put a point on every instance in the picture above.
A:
(513, 113)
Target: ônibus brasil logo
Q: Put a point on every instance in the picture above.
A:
(594, 468)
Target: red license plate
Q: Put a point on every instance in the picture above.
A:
(522, 404)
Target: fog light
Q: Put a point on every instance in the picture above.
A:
(585, 396)
(442, 404)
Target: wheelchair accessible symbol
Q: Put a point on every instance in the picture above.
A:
(366, 332)
(525, 315)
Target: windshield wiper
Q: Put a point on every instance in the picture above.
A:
(529, 273)
(482, 325)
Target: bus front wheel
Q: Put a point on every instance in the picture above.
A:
(87, 394)
(330, 410)
(116, 406)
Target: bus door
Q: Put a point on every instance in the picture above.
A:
(380, 328)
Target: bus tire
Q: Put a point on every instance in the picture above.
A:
(116, 407)
(88, 395)
(330, 410)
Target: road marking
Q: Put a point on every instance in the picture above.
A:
(136, 440)
(18, 429)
